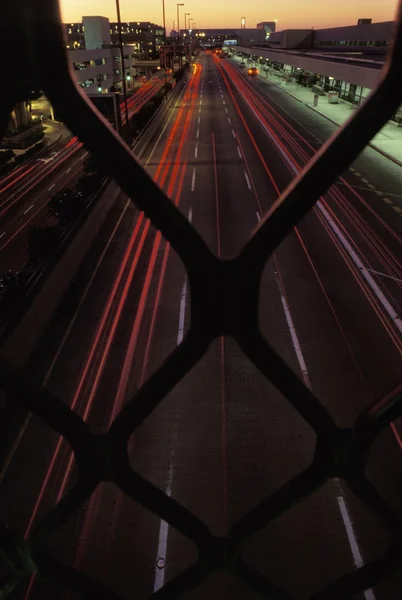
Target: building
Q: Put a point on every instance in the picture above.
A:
(364, 37)
(145, 37)
(344, 61)
(217, 37)
(96, 61)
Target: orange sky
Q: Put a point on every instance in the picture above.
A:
(227, 13)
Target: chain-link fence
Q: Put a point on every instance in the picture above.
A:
(224, 301)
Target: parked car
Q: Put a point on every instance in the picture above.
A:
(242, 65)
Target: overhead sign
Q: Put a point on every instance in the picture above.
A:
(230, 43)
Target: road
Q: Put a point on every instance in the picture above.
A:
(25, 192)
(224, 438)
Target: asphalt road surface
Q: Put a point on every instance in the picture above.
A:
(225, 437)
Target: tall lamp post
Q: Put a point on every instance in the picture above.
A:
(178, 28)
(164, 41)
(185, 19)
(190, 43)
(123, 71)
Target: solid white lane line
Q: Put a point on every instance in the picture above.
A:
(385, 275)
(234, 133)
(193, 181)
(51, 187)
(196, 151)
(364, 271)
(239, 152)
(247, 180)
(198, 133)
(28, 209)
(396, 320)
(353, 543)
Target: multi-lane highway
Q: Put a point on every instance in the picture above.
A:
(224, 438)
(26, 191)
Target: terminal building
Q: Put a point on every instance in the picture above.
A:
(342, 62)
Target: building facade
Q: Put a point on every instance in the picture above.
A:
(145, 37)
(217, 37)
(96, 61)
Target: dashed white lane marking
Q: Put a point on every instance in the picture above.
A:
(199, 119)
(387, 200)
(357, 557)
(51, 187)
(226, 110)
(229, 121)
(161, 554)
(397, 209)
(28, 209)
(239, 152)
(365, 180)
(68, 170)
(1, 235)
(198, 132)
(234, 133)
(196, 151)
(200, 102)
(353, 543)
(247, 180)
(160, 570)
(193, 181)
(223, 102)
(199, 110)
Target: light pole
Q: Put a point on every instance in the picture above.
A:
(178, 29)
(164, 41)
(123, 71)
(185, 20)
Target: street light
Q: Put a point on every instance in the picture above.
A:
(164, 39)
(185, 20)
(178, 30)
(123, 72)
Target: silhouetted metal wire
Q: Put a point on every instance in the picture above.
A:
(224, 300)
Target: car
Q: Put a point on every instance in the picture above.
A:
(253, 71)
(242, 65)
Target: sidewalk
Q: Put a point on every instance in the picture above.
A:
(387, 142)
(389, 139)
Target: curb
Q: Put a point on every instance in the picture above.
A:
(373, 146)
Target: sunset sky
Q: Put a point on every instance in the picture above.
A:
(227, 13)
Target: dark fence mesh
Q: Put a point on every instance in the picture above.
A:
(224, 300)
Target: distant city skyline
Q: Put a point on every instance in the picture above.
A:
(228, 13)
